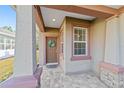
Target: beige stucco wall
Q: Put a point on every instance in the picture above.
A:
(79, 65)
(97, 39)
(61, 57)
(97, 36)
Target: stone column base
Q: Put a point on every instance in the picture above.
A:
(112, 75)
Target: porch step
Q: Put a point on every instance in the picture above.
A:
(20, 82)
(28, 81)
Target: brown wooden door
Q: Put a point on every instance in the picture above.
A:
(51, 50)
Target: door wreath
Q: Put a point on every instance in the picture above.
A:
(51, 43)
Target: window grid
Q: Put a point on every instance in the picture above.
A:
(1, 43)
(6, 44)
(83, 40)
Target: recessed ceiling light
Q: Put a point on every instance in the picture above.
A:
(53, 19)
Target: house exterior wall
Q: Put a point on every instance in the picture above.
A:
(96, 42)
(75, 65)
(105, 44)
(97, 36)
(68, 65)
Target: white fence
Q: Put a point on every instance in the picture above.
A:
(6, 53)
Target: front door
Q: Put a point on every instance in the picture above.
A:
(51, 50)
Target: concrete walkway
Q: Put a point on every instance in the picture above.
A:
(55, 78)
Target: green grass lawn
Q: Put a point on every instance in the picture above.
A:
(6, 68)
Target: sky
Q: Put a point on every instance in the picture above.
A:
(7, 16)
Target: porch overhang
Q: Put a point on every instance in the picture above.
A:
(121, 10)
(39, 18)
(98, 11)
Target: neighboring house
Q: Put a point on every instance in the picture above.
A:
(78, 38)
(7, 43)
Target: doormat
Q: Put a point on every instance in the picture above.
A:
(51, 65)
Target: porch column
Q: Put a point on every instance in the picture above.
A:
(41, 48)
(121, 20)
(25, 50)
(111, 72)
(112, 41)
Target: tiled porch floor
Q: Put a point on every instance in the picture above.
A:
(55, 78)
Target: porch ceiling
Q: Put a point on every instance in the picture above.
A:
(53, 15)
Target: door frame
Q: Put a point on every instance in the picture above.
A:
(46, 46)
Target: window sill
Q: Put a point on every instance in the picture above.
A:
(75, 58)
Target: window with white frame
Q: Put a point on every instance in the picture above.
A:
(80, 41)
(6, 43)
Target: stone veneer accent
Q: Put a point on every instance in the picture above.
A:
(112, 75)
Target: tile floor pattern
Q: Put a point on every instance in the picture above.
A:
(55, 78)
